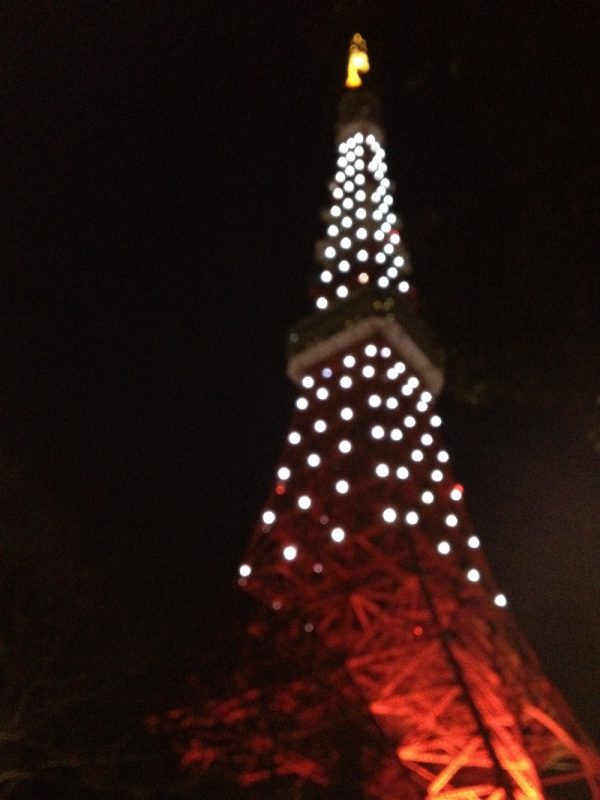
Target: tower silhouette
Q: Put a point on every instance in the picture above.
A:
(392, 629)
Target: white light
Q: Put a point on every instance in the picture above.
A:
(361, 233)
(473, 575)
(340, 177)
(346, 242)
(347, 222)
(342, 291)
(382, 470)
(422, 406)
(410, 421)
(394, 238)
(360, 180)
(361, 213)
(335, 211)
(374, 401)
(370, 350)
(400, 367)
(402, 473)
(362, 255)
(437, 475)
(389, 515)
(290, 552)
(392, 272)
(346, 413)
(302, 403)
(283, 473)
(320, 426)
(411, 518)
(377, 432)
(326, 372)
(330, 252)
(308, 382)
(313, 460)
(388, 249)
(427, 497)
(246, 570)
(344, 446)
(442, 456)
(344, 266)
(385, 352)
(451, 520)
(322, 393)
(435, 421)
(338, 535)
(349, 361)
(322, 302)
(392, 402)
(360, 196)
(398, 261)
(426, 439)
(368, 371)
(318, 568)
(347, 202)
(500, 600)
(426, 397)
(349, 187)
(383, 282)
(304, 502)
(338, 193)
(473, 542)
(363, 277)
(406, 390)
(343, 148)
(332, 230)
(390, 217)
(386, 227)
(396, 434)
(326, 276)
(412, 381)
(342, 487)
(455, 494)
(416, 455)
(345, 381)
(268, 517)
(349, 170)
(444, 547)
(341, 162)
(403, 287)
(294, 437)
(379, 236)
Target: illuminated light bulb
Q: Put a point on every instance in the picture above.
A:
(294, 437)
(360, 194)
(318, 568)
(344, 446)
(341, 162)
(370, 139)
(351, 156)
(346, 413)
(427, 497)
(346, 222)
(385, 352)
(421, 406)
(326, 372)
(403, 287)
(342, 291)
(378, 235)
(368, 371)
(426, 439)
(304, 502)
(391, 374)
(349, 361)
(413, 382)
(302, 403)
(344, 266)
(392, 403)
(326, 276)
(416, 455)
(308, 382)
(400, 367)
(349, 170)
(345, 381)
(444, 547)
(361, 233)
(473, 575)
(347, 203)
(443, 456)
(391, 217)
(392, 272)
(500, 600)
(374, 401)
(283, 473)
(437, 475)
(348, 187)
(394, 238)
(289, 553)
(320, 426)
(426, 397)
(377, 218)
(346, 243)
(377, 432)
(410, 421)
(342, 487)
(359, 138)
(245, 570)
(435, 421)
(456, 493)
(386, 227)
(473, 542)
(322, 302)
(407, 390)
(389, 515)
(383, 282)
(402, 473)
(379, 173)
(411, 518)
(359, 180)
(388, 249)
(361, 214)
(332, 230)
(362, 255)
(340, 177)
(309, 627)
(451, 520)
(330, 252)
(322, 393)
(370, 351)
(383, 210)
(382, 470)
(338, 534)
(363, 277)
(313, 460)
(396, 434)
(343, 148)
(338, 193)
(268, 517)
(335, 211)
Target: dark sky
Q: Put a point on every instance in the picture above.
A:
(166, 164)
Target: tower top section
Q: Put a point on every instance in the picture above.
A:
(358, 61)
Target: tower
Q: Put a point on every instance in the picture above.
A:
(366, 553)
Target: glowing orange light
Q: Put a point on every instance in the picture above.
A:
(358, 61)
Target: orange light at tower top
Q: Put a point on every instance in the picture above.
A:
(358, 61)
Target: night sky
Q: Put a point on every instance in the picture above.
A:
(166, 165)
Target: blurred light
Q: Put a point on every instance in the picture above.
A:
(289, 553)
(389, 515)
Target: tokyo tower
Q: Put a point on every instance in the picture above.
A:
(371, 575)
